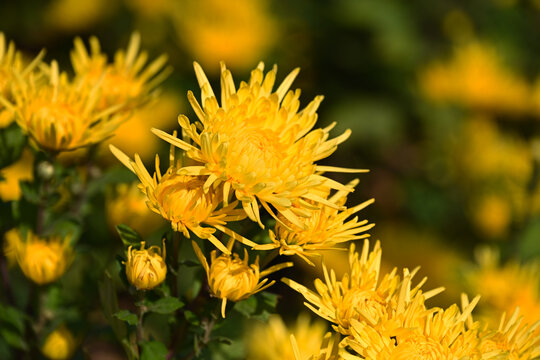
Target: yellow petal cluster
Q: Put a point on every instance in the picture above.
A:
(42, 260)
(59, 345)
(326, 228)
(234, 279)
(11, 175)
(146, 268)
(181, 200)
(258, 145)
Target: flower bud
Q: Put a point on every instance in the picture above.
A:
(232, 278)
(59, 345)
(42, 260)
(146, 268)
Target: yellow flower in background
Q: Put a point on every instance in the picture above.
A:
(42, 259)
(181, 200)
(272, 340)
(127, 82)
(326, 228)
(505, 287)
(130, 135)
(74, 16)
(329, 349)
(126, 204)
(233, 279)
(258, 145)
(476, 77)
(11, 175)
(60, 115)
(492, 215)
(361, 294)
(146, 268)
(11, 62)
(514, 339)
(59, 345)
(237, 32)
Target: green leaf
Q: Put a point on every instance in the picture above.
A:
(153, 350)
(12, 142)
(30, 192)
(13, 338)
(191, 318)
(128, 235)
(13, 317)
(246, 307)
(127, 316)
(109, 303)
(166, 305)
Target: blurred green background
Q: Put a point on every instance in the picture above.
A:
(443, 100)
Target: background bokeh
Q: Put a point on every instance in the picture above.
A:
(443, 101)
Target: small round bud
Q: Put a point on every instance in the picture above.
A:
(232, 278)
(146, 268)
(59, 345)
(45, 170)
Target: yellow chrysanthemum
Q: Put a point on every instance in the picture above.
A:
(60, 115)
(257, 144)
(127, 81)
(75, 16)
(181, 200)
(146, 268)
(126, 204)
(475, 77)
(43, 260)
(59, 345)
(492, 214)
(361, 295)
(237, 32)
(506, 287)
(513, 339)
(271, 340)
(10, 63)
(231, 278)
(418, 334)
(329, 349)
(11, 175)
(325, 229)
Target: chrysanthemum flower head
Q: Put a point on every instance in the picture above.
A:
(127, 81)
(59, 345)
(180, 199)
(326, 227)
(271, 340)
(258, 144)
(361, 295)
(146, 268)
(58, 114)
(43, 260)
(232, 278)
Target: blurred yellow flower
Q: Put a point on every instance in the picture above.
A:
(59, 345)
(361, 295)
(181, 200)
(42, 259)
(259, 145)
(238, 32)
(231, 278)
(326, 228)
(125, 83)
(126, 204)
(476, 77)
(492, 214)
(11, 175)
(75, 16)
(505, 287)
(146, 268)
(60, 115)
(11, 62)
(271, 340)
(130, 135)
(329, 349)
